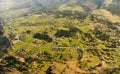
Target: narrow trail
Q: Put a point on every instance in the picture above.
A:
(12, 29)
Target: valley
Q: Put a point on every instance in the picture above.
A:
(59, 37)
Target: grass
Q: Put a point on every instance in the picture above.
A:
(104, 14)
(100, 46)
(85, 29)
(74, 8)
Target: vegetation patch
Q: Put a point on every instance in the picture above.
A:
(42, 37)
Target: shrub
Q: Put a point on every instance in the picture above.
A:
(61, 33)
(43, 37)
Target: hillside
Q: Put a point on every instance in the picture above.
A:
(59, 37)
